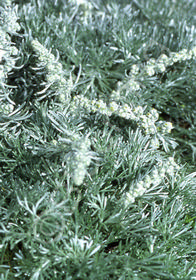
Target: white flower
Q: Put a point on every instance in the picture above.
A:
(113, 106)
(139, 191)
(163, 58)
(148, 181)
(170, 170)
(168, 127)
(102, 106)
(2, 75)
(162, 172)
(175, 57)
(155, 173)
(151, 129)
(183, 54)
(54, 142)
(2, 53)
(150, 70)
(93, 106)
(138, 111)
(53, 78)
(160, 67)
(79, 174)
(126, 112)
(153, 115)
(13, 51)
(194, 51)
(129, 198)
(6, 108)
(165, 127)
(82, 160)
(154, 143)
(62, 98)
(115, 95)
(134, 69)
(151, 62)
(133, 85)
(83, 2)
(133, 193)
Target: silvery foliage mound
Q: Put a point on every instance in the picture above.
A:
(95, 180)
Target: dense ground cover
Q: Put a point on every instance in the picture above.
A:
(97, 139)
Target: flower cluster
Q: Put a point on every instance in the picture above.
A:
(82, 160)
(157, 175)
(79, 158)
(154, 143)
(148, 121)
(55, 73)
(86, 8)
(78, 155)
(151, 68)
(8, 19)
(8, 52)
(86, 3)
(164, 127)
(6, 108)
(133, 85)
(159, 66)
